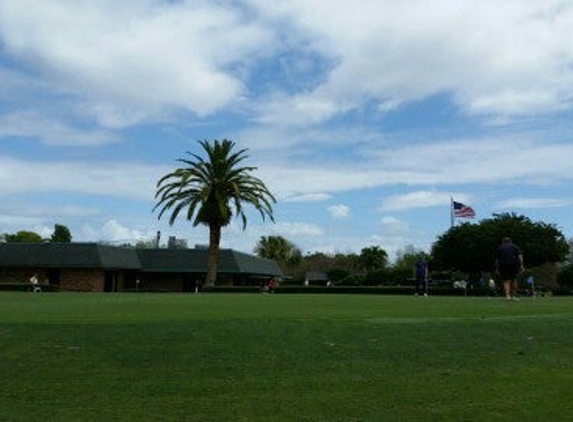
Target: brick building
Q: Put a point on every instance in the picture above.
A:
(95, 267)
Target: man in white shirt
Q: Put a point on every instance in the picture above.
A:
(35, 284)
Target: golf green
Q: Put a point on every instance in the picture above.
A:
(245, 357)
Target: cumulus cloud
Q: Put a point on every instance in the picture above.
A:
(143, 60)
(113, 230)
(299, 233)
(339, 211)
(511, 58)
(135, 60)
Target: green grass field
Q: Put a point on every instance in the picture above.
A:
(217, 357)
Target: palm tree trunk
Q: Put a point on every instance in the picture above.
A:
(213, 258)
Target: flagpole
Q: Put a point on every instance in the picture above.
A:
(452, 211)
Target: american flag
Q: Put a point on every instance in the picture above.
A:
(463, 211)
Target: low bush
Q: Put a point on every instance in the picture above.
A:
(231, 289)
(398, 290)
(25, 287)
(565, 277)
(337, 274)
(375, 278)
(352, 280)
(378, 290)
(147, 290)
(562, 291)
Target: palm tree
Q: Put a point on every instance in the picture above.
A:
(210, 191)
(286, 253)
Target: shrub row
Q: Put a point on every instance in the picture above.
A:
(147, 290)
(380, 290)
(562, 291)
(231, 289)
(25, 287)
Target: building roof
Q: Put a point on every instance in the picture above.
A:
(195, 260)
(93, 255)
(67, 255)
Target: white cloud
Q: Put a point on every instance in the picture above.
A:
(43, 230)
(526, 203)
(46, 212)
(296, 229)
(139, 61)
(301, 234)
(17, 222)
(338, 211)
(116, 179)
(15, 216)
(419, 199)
(493, 160)
(309, 197)
(497, 160)
(113, 230)
(393, 226)
(148, 59)
(50, 130)
(510, 58)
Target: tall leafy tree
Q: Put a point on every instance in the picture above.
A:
(23, 236)
(211, 190)
(61, 234)
(373, 258)
(406, 258)
(472, 247)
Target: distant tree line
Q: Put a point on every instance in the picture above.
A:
(61, 233)
(369, 267)
(464, 251)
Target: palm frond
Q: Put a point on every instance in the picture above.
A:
(212, 189)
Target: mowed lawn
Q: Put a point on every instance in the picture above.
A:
(244, 357)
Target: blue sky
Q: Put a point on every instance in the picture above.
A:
(363, 118)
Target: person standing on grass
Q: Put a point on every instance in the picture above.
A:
(509, 265)
(421, 275)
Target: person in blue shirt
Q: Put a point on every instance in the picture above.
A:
(530, 285)
(421, 275)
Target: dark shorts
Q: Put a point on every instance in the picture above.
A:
(508, 272)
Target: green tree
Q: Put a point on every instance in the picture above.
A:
(373, 258)
(61, 234)
(211, 191)
(23, 236)
(406, 258)
(145, 244)
(286, 253)
(471, 248)
(565, 277)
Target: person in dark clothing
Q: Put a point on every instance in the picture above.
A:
(509, 265)
(421, 274)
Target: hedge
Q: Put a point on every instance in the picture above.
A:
(562, 292)
(231, 289)
(26, 287)
(376, 290)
